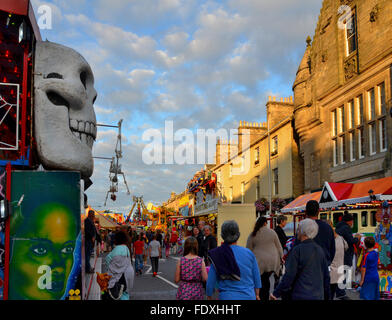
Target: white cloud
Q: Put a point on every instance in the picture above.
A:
(103, 111)
(176, 42)
(205, 64)
(217, 34)
(136, 14)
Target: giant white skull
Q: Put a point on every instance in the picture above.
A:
(65, 122)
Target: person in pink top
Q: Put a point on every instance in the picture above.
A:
(190, 273)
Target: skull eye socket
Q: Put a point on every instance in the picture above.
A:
(54, 75)
(56, 99)
(83, 78)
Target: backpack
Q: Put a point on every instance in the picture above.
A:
(117, 291)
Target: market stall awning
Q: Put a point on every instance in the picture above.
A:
(337, 194)
(300, 203)
(105, 222)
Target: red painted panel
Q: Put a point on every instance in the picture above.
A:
(23, 8)
(341, 190)
(34, 24)
(20, 7)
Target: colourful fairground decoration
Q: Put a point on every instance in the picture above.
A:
(263, 206)
(383, 235)
(385, 281)
(45, 235)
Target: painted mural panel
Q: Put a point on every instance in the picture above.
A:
(45, 235)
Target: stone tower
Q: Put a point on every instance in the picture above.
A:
(344, 83)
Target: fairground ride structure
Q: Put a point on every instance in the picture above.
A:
(115, 167)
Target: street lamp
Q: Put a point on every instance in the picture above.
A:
(269, 167)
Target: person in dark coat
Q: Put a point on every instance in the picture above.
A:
(159, 237)
(281, 223)
(90, 234)
(325, 237)
(343, 228)
(307, 275)
(199, 237)
(149, 235)
(209, 242)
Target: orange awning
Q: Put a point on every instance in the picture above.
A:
(300, 203)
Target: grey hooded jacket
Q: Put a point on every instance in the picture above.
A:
(118, 265)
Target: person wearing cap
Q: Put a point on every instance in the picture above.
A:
(343, 228)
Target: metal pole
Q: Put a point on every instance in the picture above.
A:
(105, 125)
(269, 166)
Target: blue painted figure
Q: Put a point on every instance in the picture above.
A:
(383, 236)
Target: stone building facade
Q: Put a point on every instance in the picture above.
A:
(342, 94)
(246, 172)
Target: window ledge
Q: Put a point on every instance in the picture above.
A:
(373, 157)
(351, 55)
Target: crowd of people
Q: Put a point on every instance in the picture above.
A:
(311, 266)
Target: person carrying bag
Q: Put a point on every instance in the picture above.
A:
(120, 270)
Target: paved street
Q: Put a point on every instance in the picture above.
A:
(163, 287)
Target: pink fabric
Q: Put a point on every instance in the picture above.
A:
(191, 287)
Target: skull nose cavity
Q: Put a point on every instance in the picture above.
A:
(57, 99)
(83, 78)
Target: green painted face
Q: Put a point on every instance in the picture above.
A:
(44, 246)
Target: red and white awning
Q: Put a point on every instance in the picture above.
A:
(338, 194)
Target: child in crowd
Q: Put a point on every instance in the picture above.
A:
(190, 273)
(369, 275)
(167, 245)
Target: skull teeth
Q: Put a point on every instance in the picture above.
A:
(84, 138)
(86, 127)
(73, 124)
(84, 131)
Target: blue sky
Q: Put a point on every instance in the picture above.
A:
(201, 63)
